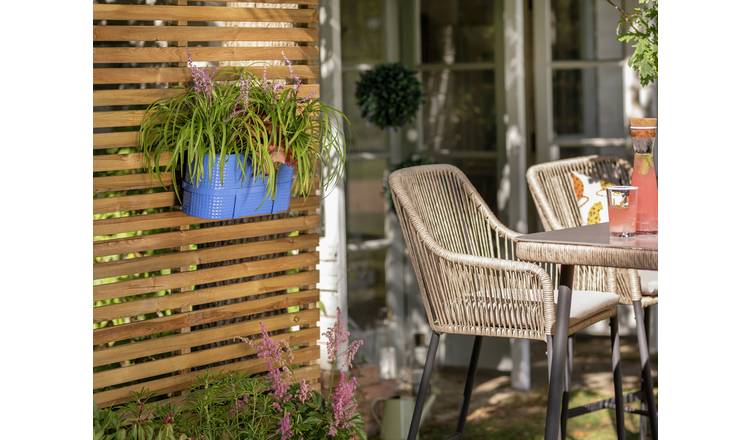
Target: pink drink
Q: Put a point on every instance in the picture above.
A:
(643, 133)
(644, 177)
(622, 208)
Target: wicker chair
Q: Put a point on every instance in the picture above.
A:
(551, 188)
(472, 284)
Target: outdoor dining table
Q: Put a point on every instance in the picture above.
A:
(589, 245)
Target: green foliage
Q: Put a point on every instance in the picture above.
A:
(136, 421)
(639, 29)
(389, 95)
(311, 419)
(262, 123)
(229, 406)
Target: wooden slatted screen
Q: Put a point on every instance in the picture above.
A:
(172, 292)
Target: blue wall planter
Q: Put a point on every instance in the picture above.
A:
(235, 197)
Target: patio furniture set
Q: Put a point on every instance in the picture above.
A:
(478, 277)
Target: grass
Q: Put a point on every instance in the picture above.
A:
(499, 412)
(520, 422)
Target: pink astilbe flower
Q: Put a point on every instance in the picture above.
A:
(337, 338)
(343, 403)
(202, 81)
(278, 372)
(352, 350)
(304, 391)
(285, 427)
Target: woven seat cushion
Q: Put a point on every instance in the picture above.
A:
(585, 303)
(586, 308)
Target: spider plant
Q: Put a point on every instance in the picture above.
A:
(262, 122)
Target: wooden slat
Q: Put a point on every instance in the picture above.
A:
(180, 54)
(203, 276)
(203, 256)
(177, 218)
(133, 203)
(148, 96)
(202, 13)
(132, 161)
(140, 349)
(137, 75)
(133, 96)
(122, 118)
(204, 316)
(131, 181)
(178, 382)
(112, 140)
(175, 363)
(204, 235)
(310, 373)
(206, 295)
(182, 24)
(203, 33)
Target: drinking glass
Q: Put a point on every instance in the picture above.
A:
(622, 206)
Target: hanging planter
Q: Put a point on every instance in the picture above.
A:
(242, 147)
(238, 195)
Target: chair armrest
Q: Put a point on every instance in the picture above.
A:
(516, 281)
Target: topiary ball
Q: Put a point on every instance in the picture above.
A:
(389, 95)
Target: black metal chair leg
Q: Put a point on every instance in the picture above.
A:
(646, 369)
(644, 407)
(424, 383)
(554, 394)
(614, 333)
(566, 389)
(469, 385)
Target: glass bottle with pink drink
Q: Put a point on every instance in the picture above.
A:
(643, 133)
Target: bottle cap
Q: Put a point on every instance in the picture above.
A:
(643, 127)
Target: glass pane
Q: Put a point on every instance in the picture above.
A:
(366, 286)
(588, 102)
(585, 30)
(362, 31)
(363, 135)
(365, 202)
(459, 110)
(457, 31)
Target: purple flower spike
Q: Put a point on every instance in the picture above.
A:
(244, 90)
(304, 391)
(344, 405)
(202, 81)
(297, 79)
(285, 427)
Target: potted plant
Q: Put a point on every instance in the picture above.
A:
(389, 95)
(241, 145)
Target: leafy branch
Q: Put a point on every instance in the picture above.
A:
(639, 29)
